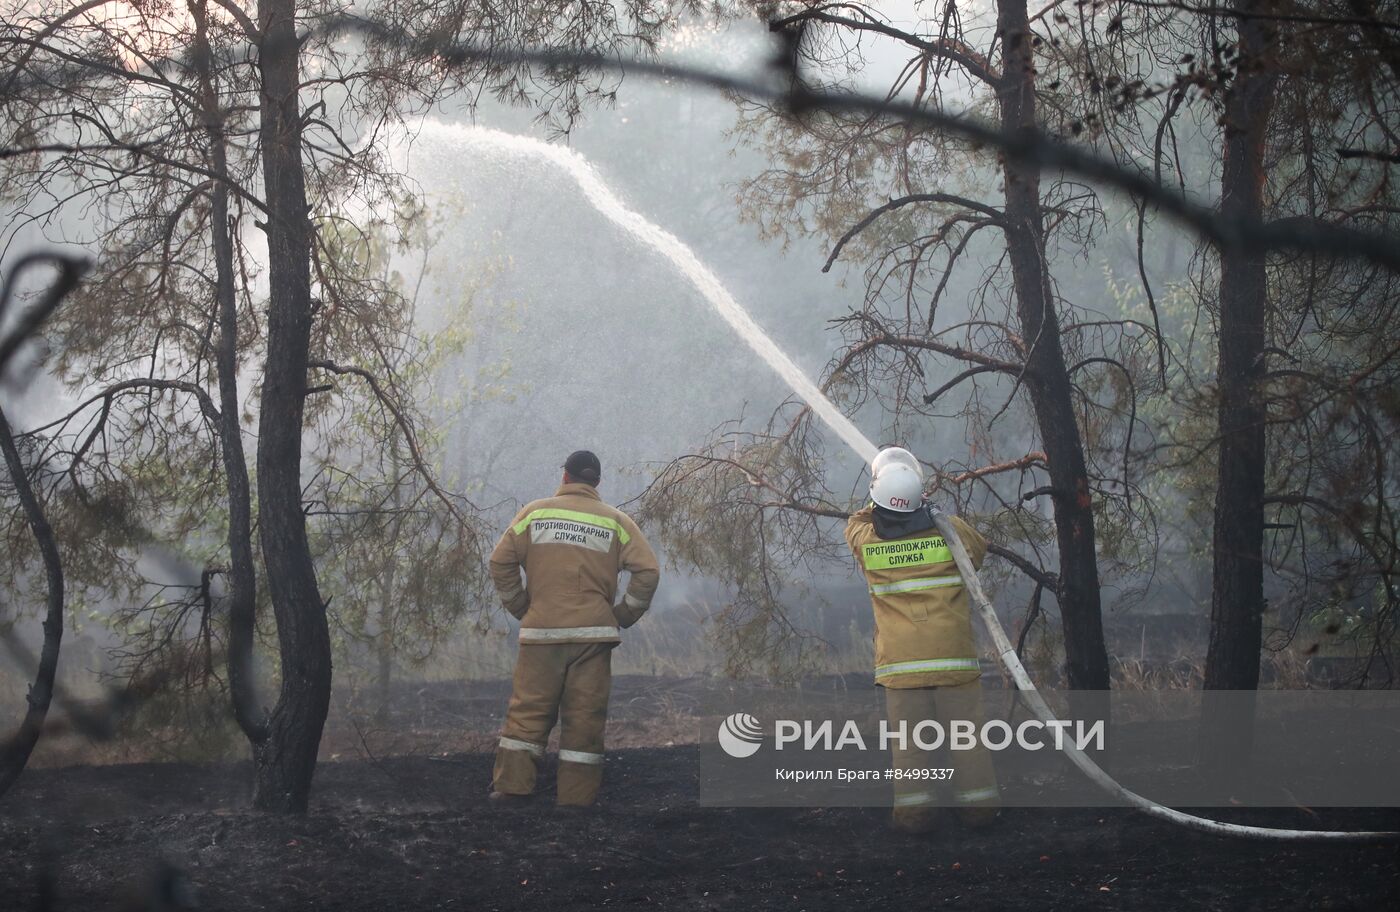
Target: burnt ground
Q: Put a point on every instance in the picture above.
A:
(417, 832)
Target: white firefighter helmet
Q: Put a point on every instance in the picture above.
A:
(897, 487)
(895, 456)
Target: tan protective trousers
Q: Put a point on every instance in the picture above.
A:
(564, 682)
(973, 783)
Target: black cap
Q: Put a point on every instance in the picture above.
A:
(584, 466)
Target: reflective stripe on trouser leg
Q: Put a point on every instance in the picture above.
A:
(534, 707)
(583, 713)
(530, 747)
(915, 799)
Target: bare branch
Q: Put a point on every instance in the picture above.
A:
(994, 215)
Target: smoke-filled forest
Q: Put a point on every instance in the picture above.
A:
(457, 452)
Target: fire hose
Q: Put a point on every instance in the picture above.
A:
(1006, 654)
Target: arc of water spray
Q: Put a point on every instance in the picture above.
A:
(701, 276)
(668, 245)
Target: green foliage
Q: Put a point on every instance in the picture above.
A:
(400, 557)
(727, 513)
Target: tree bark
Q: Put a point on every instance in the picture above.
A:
(1237, 588)
(285, 763)
(242, 575)
(1046, 376)
(15, 754)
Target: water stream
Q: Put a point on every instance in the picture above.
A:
(674, 249)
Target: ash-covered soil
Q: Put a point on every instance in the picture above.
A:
(419, 833)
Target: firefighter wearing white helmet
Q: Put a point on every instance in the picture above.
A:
(898, 488)
(926, 657)
(892, 456)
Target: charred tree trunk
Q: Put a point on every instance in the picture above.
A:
(1047, 377)
(15, 754)
(1237, 588)
(242, 575)
(1237, 591)
(286, 761)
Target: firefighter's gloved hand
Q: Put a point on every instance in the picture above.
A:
(518, 605)
(627, 615)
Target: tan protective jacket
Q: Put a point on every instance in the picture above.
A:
(923, 622)
(572, 546)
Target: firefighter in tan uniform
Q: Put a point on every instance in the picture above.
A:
(925, 655)
(571, 547)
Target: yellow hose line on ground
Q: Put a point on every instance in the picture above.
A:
(1012, 663)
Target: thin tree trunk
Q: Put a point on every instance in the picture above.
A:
(1237, 588)
(285, 763)
(15, 754)
(387, 600)
(242, 575)
(1047, 378)
(385, 646)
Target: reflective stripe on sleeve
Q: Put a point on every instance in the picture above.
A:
(569, 756)
(913, 799)
(515, 744)
(973, 796)
(547, 634)
(632, 602)
(927, 665)
(915, 585)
